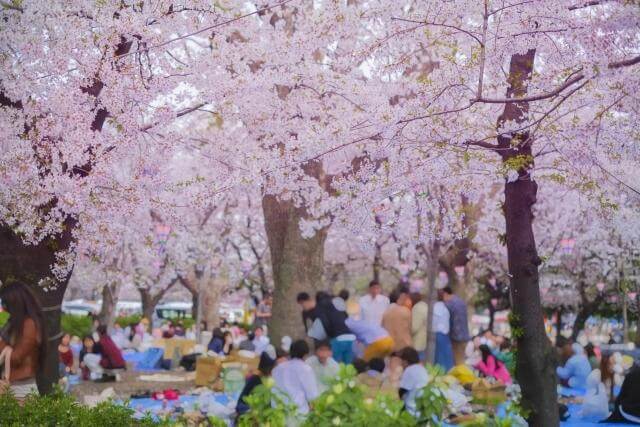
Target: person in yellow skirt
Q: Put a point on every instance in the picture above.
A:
(376, 339)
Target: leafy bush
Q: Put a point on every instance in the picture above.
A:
(344, 403)
(4, 316)
(130, 320)
(268, 409)
(59, 409)
(76, 325)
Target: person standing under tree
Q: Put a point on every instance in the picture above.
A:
(459, 331)
(397, 320)
(23, 344)
(419, 313)
(441, 325)
(263, 311)
(374, 304)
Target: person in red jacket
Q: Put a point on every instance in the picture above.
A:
(66, 355)
(105, 355)
(111, 354)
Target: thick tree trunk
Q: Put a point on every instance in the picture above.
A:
(149, 303)
(109, 301)
(297, 264)
(559, 323)
(535, 359)
(195, 306)
(32, 266)
(578, 324)
(210, 303)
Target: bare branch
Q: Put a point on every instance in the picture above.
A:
(483, 144)
(625, 63)
(211, 27)
(538, 97)
(435, 24)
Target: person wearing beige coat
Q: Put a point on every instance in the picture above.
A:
(419, 313)
(397, 321)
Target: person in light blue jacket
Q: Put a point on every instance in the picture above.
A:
(575, 372)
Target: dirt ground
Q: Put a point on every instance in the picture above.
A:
(131, 383)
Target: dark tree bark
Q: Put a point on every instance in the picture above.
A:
(109, 301)
(578, 324)
(535, 357)
(377, 254)
(32, 265)
(150, 300)
(297, 262)
(587, 308)
(559, 323)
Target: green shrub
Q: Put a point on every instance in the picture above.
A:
(125, 321)
(267, 408)
(4, 316)
(61, 410)
(76, 325)
(344, 403)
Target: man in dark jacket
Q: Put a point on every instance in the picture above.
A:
(325, 318)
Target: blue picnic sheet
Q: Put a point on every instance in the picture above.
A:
(576, 421)
(187, 402)
(145, 361)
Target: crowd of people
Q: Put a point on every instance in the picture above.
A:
(386, 340)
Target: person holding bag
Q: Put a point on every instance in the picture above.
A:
(22, 347)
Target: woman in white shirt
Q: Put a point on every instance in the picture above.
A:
(441, 319)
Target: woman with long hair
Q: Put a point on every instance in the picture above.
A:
(490, 366)
(23, 343)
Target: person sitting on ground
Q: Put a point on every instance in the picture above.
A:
(492, 367)
(106, 355)
(595, 402)
(23, 344)
(217, 342)
(260, 340)
(575, 372)
(179, 329)
(593, 357)
(376, 338)
(397, 320)
(413, 379)
(168, 330)
(227, 346)
(247, 344)
(627, 405)
(265, 367)
(360, 365)
(87, 348)
(607, 375)
(506, 355)
(324, 366)
(295, 379)
(374, 380)
(66, 355)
